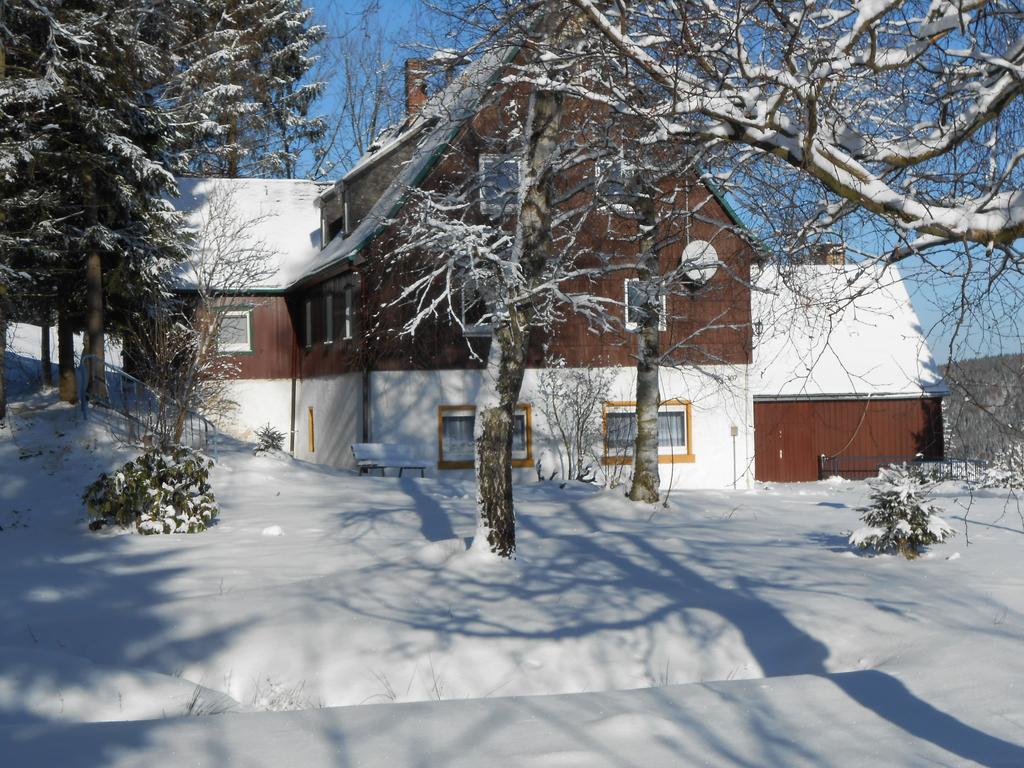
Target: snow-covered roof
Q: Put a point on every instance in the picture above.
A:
(434, 127)
(839, 331)
(277, 215)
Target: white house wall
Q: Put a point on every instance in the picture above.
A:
(405, 411)
(260, 401)
(337, 404)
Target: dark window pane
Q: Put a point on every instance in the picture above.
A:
(621, 427)
(499, 182)
(519, 434)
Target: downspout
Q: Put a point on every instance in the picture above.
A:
(295, 370)
(748, 408)
(366, 405)
(367, 365)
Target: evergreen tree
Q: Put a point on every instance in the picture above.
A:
(900, 519)
(29, 39)
(238, 87)
(84, 189)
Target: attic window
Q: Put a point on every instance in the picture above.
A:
(635, 298)
(613, 174)
(308, 324)
(499, 182)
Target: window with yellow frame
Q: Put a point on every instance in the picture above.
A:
(455, 444)
(675, 432)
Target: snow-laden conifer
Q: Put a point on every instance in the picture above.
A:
(1007, 468)
(93, 231)
(899, 518)
(241, 90)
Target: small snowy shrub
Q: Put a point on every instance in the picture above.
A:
(159, 492)
(1007, 469)
(269, 439)
(899, 518)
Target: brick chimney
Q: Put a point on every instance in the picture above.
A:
(415, 85)
(828, 254)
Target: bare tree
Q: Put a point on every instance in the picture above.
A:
(571, 402)
(3, 354)
(359, 59)
(176, 350)
(474, 265)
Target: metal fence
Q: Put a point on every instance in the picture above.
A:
(861, 467)
(146, 417)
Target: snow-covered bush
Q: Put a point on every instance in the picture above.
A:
(899, 518)
(269, 439)
(1007, 468)
(159, 492)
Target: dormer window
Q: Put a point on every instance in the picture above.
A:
(333, 216)
(499, 184)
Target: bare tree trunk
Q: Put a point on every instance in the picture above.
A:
(505, 366)
(232, 169)
(66, 359)
(45, 359)
(646, 479)
(503, 377)
(97, 386)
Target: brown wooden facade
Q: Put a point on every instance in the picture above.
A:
(273, 339)
(707, 326)
(790, 436)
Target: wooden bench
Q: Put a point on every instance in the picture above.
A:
(384, 456)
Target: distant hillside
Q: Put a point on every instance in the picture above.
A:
(986, 409)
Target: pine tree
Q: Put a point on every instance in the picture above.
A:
(87, 219)
(238, 87)
(899, 518)
(28, 39)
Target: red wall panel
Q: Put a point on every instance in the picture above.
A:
(790, 436)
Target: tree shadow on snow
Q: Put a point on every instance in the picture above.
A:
(619, 581)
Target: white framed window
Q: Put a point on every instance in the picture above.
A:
(329, 318)
(499, 183)
(674, 432)
(456, 446)
(350, 312)
(634, 297)
(234, 333)
(613, 173)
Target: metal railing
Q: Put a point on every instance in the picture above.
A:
(934, 468)
(147, 417)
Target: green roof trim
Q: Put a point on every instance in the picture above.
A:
(719, 195)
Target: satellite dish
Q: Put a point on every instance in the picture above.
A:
(700, 261)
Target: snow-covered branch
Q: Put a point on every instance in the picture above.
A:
(888, 105)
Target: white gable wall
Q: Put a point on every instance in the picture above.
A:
(839, 331)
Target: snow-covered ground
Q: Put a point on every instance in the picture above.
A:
(727, 628)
